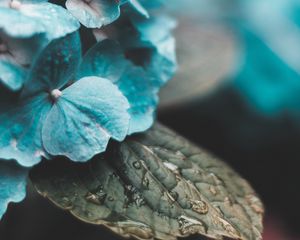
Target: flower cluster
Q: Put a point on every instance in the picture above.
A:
(73, 75)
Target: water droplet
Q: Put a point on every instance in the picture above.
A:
(213, 190)
(110, 198)
(145, 182)
(133, 196)
(96, 198)
(189, 226)
(173, 196)
(199, 206)
(66, 202)
(229, 228)
(137, 165)
(228, 201)
(216, 179)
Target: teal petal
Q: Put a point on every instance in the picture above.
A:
(16, 24)
(106, 59)
(265, 80)
(21, 120)
(84, 118)
(94, 13)
(31, 19)
(11, 75)
(25, 31)
(156, 35)
(55, 65)
(56, 20)
(12, 184)
(20, 130)
(138, 7)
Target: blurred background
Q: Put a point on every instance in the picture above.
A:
(236, 93)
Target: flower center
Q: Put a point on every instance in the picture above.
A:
(55, 94)
(15, 4)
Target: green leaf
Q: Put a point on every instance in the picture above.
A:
(154, 186)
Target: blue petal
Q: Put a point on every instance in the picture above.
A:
(20, 130)
(56, 20)
(95, 13)
(106, 59)
(84, 118)
(154, 3)
(156, 34)
(137, 7)
(12, 184)
(11, 75)
(38, 18)
(269, 83)
(15, 24)
(55, 65)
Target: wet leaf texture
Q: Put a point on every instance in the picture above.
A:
(155, 186)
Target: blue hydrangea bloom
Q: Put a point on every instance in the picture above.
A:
(24, 32)
(88, 112)
(12, 184)
(54, 102)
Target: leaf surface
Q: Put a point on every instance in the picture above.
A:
(155, 186)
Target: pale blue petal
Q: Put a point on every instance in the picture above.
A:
(20, 130)
(12, 184)
(95, 13)
(11, 75)
(106, 59)
(84, 118)
(37, 18)
(55, 65)
(56, 21)
(16, 24)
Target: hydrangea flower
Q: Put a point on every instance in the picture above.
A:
(88, 112)
(25, 29)
(56, 102)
